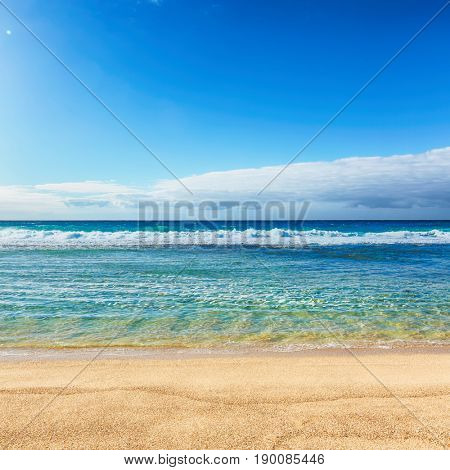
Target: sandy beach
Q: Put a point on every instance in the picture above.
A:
(306, 400)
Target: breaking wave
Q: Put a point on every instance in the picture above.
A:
(11, 238)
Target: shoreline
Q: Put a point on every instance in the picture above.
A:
(143, 352)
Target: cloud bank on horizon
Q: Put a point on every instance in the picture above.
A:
(400, 186)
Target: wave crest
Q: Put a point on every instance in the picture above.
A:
(60, 239)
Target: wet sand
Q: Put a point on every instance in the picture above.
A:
(175, 400)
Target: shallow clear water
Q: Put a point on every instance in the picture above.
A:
(89, 283)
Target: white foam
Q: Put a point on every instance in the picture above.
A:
(59, 239)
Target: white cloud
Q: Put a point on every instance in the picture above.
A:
(402, 181)
(21, 197)
(87, 187)
(400, 186)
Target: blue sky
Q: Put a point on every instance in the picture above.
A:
(214, 85)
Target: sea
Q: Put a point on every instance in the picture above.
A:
(269, 285)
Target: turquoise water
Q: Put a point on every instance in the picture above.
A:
(255, 284)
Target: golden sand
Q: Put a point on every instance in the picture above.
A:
(278, 401)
